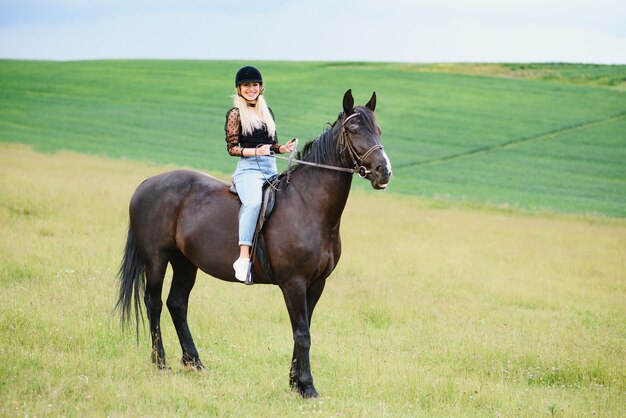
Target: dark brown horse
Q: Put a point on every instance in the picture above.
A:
(189, 219)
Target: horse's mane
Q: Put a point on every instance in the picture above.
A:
(320, 149)
(325, 147)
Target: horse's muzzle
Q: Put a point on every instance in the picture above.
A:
(381, 172)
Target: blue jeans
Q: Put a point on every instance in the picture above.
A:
(249, 177)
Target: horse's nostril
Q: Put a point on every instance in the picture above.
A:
(383, 170)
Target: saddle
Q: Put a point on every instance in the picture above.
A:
(258, 242)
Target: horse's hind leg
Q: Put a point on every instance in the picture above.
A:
(177, 302)
(155, 272)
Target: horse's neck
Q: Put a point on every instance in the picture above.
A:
(324, 193)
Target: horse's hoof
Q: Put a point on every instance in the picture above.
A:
(162, 368)
(310, 394)
(158, 361)
(306, 392)
(160, 365)
(195, 366)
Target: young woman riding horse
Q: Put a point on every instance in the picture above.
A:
(251, 135)
(188, 219)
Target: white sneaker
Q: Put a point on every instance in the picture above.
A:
(241, 266)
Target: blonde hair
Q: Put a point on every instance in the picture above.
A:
(254, 117)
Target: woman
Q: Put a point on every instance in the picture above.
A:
(251, 135)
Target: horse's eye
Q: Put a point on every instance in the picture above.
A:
(353, 128)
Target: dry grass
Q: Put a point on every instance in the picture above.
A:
(431, 312)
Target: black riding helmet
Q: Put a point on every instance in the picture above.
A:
(248, 74)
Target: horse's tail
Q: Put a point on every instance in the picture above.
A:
(132, 278)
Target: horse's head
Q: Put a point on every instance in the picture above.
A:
(360, 139)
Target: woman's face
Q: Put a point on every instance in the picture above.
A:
(250, 91)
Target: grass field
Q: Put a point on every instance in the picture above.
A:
(529, 136)
(489, 280)
(432, 311)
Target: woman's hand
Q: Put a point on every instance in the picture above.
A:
(263, 150)
(288, 147)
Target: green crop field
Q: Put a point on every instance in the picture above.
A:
(488, 280)
(532, 137)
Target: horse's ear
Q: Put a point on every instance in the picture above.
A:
(371, 105)
(348, 103)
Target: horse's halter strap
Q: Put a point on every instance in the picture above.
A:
(357, 160)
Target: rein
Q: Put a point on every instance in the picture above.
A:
(347, 144)
(319, 165)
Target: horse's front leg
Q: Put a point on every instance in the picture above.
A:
(300, 378)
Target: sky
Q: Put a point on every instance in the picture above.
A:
(415, 31)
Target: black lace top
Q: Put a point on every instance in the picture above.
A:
(236, 141)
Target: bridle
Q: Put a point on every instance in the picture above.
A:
(357, 160)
